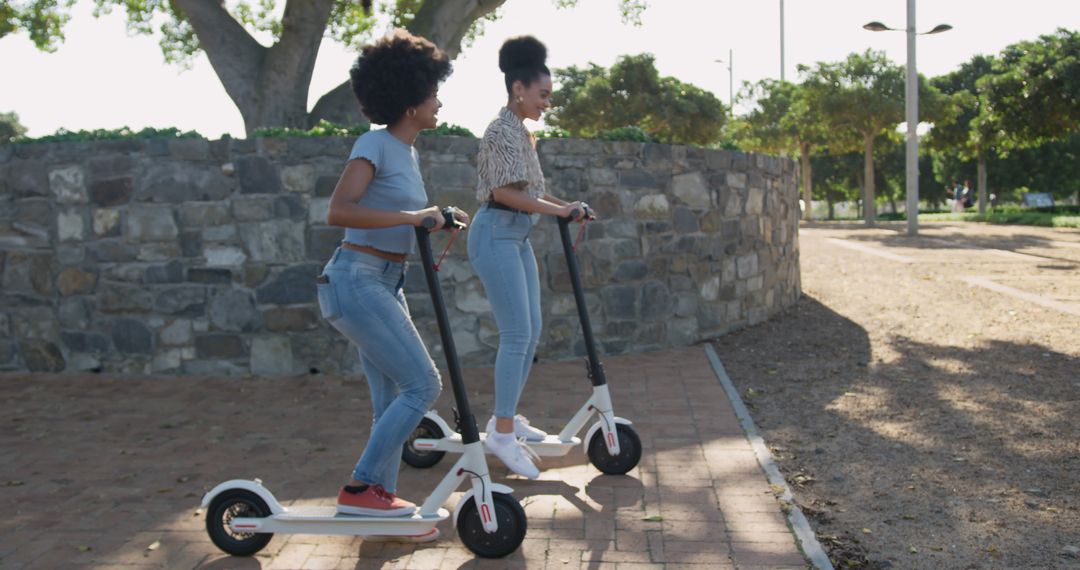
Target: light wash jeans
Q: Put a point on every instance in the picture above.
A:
(363, 300)
(502, 256)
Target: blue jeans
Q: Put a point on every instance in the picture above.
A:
(502, 256)
(363, 300)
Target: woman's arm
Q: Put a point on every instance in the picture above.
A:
(519, 199)
(345, 212)
(555, 200)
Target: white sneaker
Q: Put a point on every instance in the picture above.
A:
(513, 452)
(521, 429)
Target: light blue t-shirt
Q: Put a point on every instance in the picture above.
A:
(397, 186)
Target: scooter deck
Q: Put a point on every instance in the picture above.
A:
(551, 446)
(326, 520)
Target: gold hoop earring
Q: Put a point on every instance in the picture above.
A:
(412, 113)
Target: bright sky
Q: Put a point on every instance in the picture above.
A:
(102, 78)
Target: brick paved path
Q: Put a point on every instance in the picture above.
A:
(108, 472)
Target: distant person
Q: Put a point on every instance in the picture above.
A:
(958, 197)
(968, 194)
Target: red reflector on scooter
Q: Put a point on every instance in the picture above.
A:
(485, 513)
(611, 439)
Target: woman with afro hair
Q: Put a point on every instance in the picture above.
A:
(510, 191)
(379, 199)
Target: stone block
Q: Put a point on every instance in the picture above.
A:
(28, 178)
(224, 256)
(655, 301)
(171, 272)
(620, 301)
(202, 214)
(293, 285)
(177, 182)
(40, 355)
(233, 310)
(220, 345)
(692, 189)
(106, 222)
(185, 300)
(298, 178)
(112, 191)
(283, 319)
(209, 276)
(149, 223)
(274, 241)
(271, 355)
(652, 206)
(176, 333)
(684, 220)
(90, 342)
(68, 185)
(257, 175)
(75, 281)
(132, 336)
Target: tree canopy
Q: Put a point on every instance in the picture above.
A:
(593, 100)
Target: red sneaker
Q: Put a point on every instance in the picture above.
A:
(374, 502)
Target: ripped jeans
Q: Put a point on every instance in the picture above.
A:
(363, 300)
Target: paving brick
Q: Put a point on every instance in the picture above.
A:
(147, 450)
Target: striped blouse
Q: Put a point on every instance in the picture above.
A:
(508, 158)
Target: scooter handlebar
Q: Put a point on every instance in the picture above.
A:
(450, 221)
(576, 213)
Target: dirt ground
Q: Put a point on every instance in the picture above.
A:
(923, 418)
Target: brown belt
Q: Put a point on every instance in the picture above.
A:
(395, 257)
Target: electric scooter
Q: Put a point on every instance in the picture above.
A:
(242, 515)
(612, 444)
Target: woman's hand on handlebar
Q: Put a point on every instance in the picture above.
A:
(576, 211)
(433, 212)
(461, 216)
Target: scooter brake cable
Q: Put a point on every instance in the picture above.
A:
(453, 235)
(580, 234)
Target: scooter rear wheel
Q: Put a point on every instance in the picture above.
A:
(512, 526)
(233, 504)
(629, 451)
(421, 458)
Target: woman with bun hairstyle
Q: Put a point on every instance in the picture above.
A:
(510, 190)
(379, 199)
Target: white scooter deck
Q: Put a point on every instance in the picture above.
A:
(551, 446)
(310, 519)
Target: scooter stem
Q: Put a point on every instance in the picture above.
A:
(469, 431)
(596, 370)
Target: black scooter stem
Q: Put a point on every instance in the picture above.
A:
(467, 423)
(596, 370)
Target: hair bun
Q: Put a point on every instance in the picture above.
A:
(522, 52)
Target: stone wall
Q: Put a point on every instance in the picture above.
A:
(191, 256)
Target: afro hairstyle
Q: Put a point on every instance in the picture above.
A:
(522, 59)
(397, 72)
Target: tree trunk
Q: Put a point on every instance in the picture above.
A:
(829, 199)
(268, 85)
(869, 211)
(980, 179)
(807, 181)
(444, 22)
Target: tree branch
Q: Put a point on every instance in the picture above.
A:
(233, 53)
(445, 22)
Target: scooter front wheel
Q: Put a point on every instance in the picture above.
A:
(629, 451)
(421, 458)
(512, 526)
(234, 504)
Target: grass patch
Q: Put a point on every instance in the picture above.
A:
(1015, 217)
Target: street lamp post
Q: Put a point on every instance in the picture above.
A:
(911, 112)
(731, 81)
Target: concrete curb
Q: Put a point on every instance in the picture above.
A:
(804, 535)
